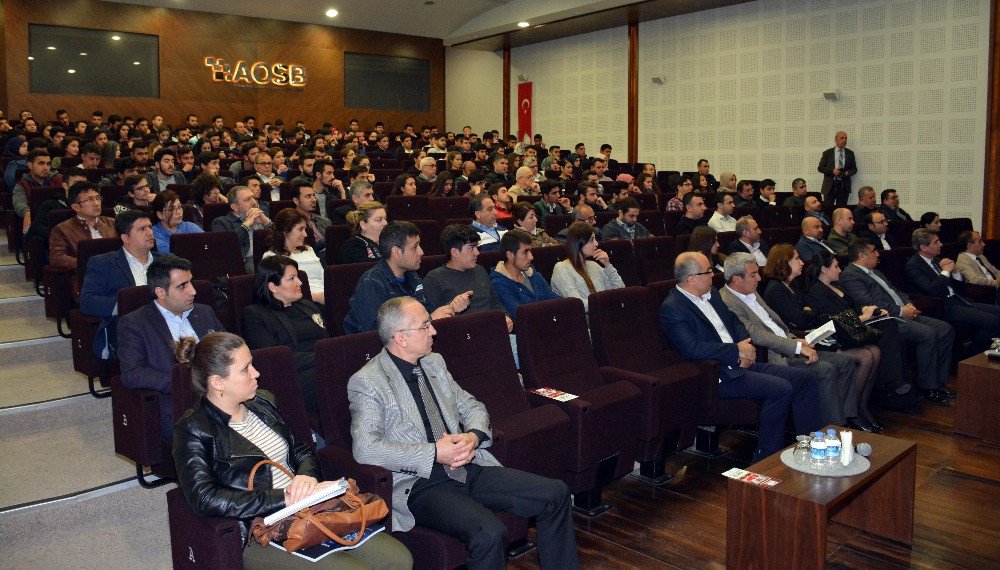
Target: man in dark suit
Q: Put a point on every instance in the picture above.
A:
(694, 214)
(890, 207)
(931, 337)
(812, 241)
(244, 217)
(701, 327)
(147, 334)
(109, 272)
(838, 166)
(798, 197)
(866, 203)
(748, 240)
(744, 195)
(814, 209)
(937, 277)
(877, 231)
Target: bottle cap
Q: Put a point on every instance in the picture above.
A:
(830, 432)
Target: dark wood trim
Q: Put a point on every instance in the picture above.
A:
(633, 91)
(506, 91)
(991, 193)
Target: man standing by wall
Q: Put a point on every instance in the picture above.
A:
(838, 166)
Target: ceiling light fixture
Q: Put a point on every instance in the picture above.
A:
(83, 53)
(116, 38)
(332, 13)
(135, 63)
(51, 48)
(523, 24)
(70, 71)
(31, 58)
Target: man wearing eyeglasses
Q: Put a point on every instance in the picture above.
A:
(409, 416)
(263, 165)
(87, 223)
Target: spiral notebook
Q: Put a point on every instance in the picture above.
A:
(339, 488)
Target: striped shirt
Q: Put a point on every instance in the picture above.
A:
(273, 445)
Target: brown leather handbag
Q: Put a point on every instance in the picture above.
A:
(349, 513)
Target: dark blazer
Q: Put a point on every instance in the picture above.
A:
(824, 302)
(819, 215)
(864, 291)
(737, 246)
(924, 280)
(789, 305)
(263, 327)
(874, 239)
(146, 352)
(807, 248)
(897, 215)
(741, 203)
(694, 337)
(829, 161)
(232, 223)
(686, 225)
(106, 274)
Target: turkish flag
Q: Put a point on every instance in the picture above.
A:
(524, 112)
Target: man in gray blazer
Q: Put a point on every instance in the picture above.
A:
(834, 372)
(409, 416)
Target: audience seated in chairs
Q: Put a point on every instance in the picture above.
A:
(812, 243)
(824, 298)
(694, 214)
(288, 238)
(206, 189)
(280, 316)
(514, 279)
(39, 228)
(231, 428)
(748, 240)
(890, 207)
(137, 193)
(147, 335)
(168, 210)
(109, 272)
(405, 185)
(705, 240)
(409, 416)
(587, 269)
(626, 225)
(722, 219)
(877, 231)
(929, 274)
(526, 220)
(553, 203)
(395, 276)
(87, 223)
(305, 200)
(366, 224)
(244, 218)
(972, 265)
(834, 372)
(798, 197)
(700, 326)
(361, 192)
(842, 232)
(502, 200)
(39, 175)
(483, 209)
(164, 172)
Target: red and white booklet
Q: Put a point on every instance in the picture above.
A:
(557, 395)
(751, 477)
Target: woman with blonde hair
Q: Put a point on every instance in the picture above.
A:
(366, 224)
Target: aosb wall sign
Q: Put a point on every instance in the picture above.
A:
(256, 74)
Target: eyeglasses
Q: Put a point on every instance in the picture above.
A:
(97, 198)
(709, 272)
(426, 327)
(266, 163)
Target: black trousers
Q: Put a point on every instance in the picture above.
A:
(985, 319)
(464, 511)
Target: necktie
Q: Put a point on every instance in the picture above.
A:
(895, 298)
(437, 423)
(986, 269)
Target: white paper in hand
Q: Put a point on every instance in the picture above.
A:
(822, 333)
(326, 493)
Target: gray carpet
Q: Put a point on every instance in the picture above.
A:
(40, 381)
(56, 451)
(125, 529)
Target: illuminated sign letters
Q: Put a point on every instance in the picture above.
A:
(256, 73)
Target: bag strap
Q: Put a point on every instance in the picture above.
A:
(349, 498)
(272, 464)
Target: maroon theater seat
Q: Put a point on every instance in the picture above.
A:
(212, 254)
(451, 207)
(546, 259)
(430, 236)
(339, 282)
(408, 207)
(555, 352)
(655, 257)
(336, 235)
(556, 223)
(622, 256)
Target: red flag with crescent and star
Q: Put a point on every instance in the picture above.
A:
(524, 112)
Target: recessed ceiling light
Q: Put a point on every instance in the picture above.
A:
(116, 38)
(332, 13)
(70, 71)
(135, 63)
(523, 24)
(83, 53)
(31, 58)
(51, 48)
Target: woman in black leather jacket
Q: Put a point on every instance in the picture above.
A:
(232, 427)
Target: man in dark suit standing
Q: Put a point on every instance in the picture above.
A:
(148, 334)
(109, 272)
(937, 277)
(838, 166)
(748, 240)
(932, 338)
(701, 327)
(890, 207)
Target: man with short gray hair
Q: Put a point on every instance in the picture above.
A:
(360, 192)
(409, 416)
(834, 372)
(525, 184)
(428, 169)
(244, 217)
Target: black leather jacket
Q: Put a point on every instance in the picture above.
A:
(214, 462)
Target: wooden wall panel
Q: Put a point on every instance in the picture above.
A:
(991, 190)
(186, 38)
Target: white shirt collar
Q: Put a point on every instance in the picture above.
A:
(703, 298)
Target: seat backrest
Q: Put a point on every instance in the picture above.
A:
(430, 236)
(554, 347)
(339, 282)
(451, 207)
(652, 219)
(655, 257)
(622, 257)
(546, 259)
(489, 259)
(486, 373)
(336, 235)
(659, 291)
(670, 220)
(333, 203)
(261, 241)
(408, 207)
(88, 248)
(429, 263)
(647, 202)
(57, 217)
(337, 359)
(624, 329)
(951, 228)
(36, 196)
(131, 298)
(212, 254)
(556, 223)
(212, 211)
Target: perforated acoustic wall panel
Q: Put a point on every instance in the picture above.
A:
(579, 89)
(743, 87)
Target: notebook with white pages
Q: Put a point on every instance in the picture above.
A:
(338, 488)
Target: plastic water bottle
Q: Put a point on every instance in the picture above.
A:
(832, 447)
(817, 448)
